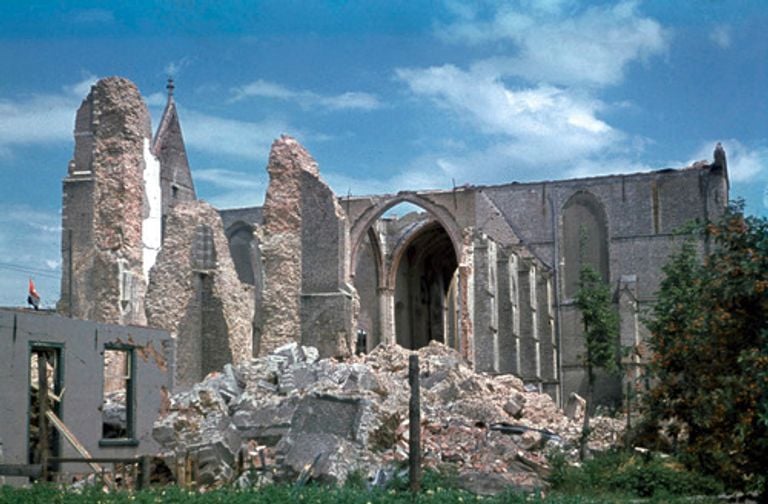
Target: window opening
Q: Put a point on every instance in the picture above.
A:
(117, 400)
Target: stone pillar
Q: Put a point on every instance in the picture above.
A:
(328, 300)
(195, 294)
(281, 245)
(105, 203)
(548, 352)
(509, 314)
(530, 346)
(307, 296)
(387, 315)
(486, 305)
(466, 296)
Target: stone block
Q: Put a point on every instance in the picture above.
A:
(328, 414)
(575, 407)
(326, 321)
(265, 421)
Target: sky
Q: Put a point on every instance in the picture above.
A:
(387, 96)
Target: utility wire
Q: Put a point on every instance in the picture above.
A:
(28, 270)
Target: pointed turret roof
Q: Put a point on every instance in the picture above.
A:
(168, 146)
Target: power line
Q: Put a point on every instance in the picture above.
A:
(28, 270)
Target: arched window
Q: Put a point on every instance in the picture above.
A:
(243, 250)
(585, 239)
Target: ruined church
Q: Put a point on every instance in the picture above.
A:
(488, 270)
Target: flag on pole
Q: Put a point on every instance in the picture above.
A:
(33, 298)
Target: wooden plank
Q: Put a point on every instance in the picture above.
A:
(64, 430)
(26, 470)
(51, 395)
(98, 460)
(42, 403)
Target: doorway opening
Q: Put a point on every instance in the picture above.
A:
(406, 276)
(45, 390)
(424, 300)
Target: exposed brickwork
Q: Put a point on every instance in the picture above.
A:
(112, 128)
(203, 304)
(281, 243)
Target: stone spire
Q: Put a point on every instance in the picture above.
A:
(168, 145)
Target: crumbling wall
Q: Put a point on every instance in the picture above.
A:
(80, 348)
(102, 246)
(305, 294)
(281, 243)
(195, 294)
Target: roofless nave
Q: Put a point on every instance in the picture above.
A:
(489, 270)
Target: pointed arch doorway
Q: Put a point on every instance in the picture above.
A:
(406, 274)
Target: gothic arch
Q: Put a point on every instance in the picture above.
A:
(422, 269)
(584, 237)
(244, 252)
(444, 217)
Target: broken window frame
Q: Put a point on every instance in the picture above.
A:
(57, 349)
(130, 396)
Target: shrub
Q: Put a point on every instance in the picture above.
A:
(709, 335)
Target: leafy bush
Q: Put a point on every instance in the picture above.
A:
(709, 335)
(630, 475)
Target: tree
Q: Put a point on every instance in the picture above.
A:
(709, 338)
(601, 333)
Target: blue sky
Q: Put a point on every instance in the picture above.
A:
(386, 95)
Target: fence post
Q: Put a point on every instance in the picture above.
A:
(414, 420)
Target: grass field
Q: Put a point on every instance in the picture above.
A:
(613, 477)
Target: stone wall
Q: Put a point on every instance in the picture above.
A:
(80, 351)
(303, 242)
(507, 303)
(280, 241)
(195, 294)
(104, 199)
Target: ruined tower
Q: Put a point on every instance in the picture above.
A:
(110, 207)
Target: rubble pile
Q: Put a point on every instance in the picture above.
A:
(327, 419)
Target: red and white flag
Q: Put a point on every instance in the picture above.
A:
(33, 298)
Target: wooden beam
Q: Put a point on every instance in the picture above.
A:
(51, 395)
(25, 470)
(77, 445)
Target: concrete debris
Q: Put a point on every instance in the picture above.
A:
(114, 415)
(575, 407)
(324, 419)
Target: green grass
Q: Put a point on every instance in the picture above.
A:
(609, 478)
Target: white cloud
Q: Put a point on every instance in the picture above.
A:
(233, 137)
(534, 97)
(592, 47)
(606, 166)
(233, 188)
(41, 118)
(351, 100)
(745, 163)
(544, 123)
(721, 36)
(174, 68)
(157, 99)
